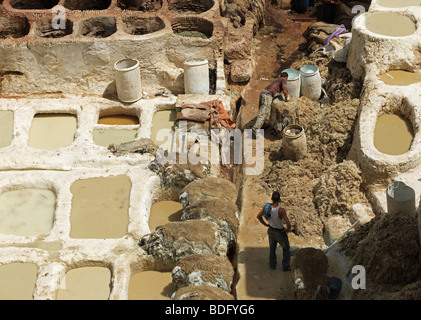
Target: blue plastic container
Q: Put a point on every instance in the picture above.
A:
(335, 287)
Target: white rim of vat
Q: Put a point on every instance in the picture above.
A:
(360, 23)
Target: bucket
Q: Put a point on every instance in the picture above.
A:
(311, 83)
(293, 83)
(334, 287)
(196, 77)
(294, 142)
(400, 198)
(300, 6)
(127, 79)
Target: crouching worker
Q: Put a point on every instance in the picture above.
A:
(275, 216)
(272, 91)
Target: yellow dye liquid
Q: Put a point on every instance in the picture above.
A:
(100, 207)
(87, 283)
(393, 134)
(151, 285)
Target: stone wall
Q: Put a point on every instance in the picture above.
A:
(36, 58)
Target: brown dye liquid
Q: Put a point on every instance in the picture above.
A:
(390, 24)
(151, 285)
(400, 78)
(6, 128)
(87, 283)
(105, 137)
(399, 3)
(393, 134)
(17, 281)
(163, 123)
(52, 131)
(27, 212)
(163, 212)
(119, 119)
(100, 207)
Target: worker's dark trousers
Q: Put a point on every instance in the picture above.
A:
(277, 236)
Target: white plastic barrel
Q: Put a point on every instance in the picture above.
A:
(401, 198)
(196, 77)
(293, 83)
(311, 82)
(128, 81)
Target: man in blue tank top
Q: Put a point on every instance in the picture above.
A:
(277, 232)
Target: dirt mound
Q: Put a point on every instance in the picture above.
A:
(297, 110)
(338, 189)
(340, 86)
(329, 129)
(330, 134)
(310, 266)
(391, 250)
(410, 292)
(295, 182)
(388, 248)
(349, 243)
(329, 138)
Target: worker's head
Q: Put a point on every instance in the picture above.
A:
(284, 75)
(276, 197)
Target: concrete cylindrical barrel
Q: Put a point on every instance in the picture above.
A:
(294, 142)
(311, 82)
(293, 83)
(418, 213)
(400, 198)
(196, 77)
(128, 81)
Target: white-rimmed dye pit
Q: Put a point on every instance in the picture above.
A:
(86, 283)
(119, 119)
(163, 128)
(151, 285)
(52, 131)
(100, 207)
(6, 128)
(399, 4)
(390, 24)
(105, 137)
(400, 77)
(393, 134)
(27, 212)
(163, 212)
(17, 281)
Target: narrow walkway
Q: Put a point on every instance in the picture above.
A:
(276, 47)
